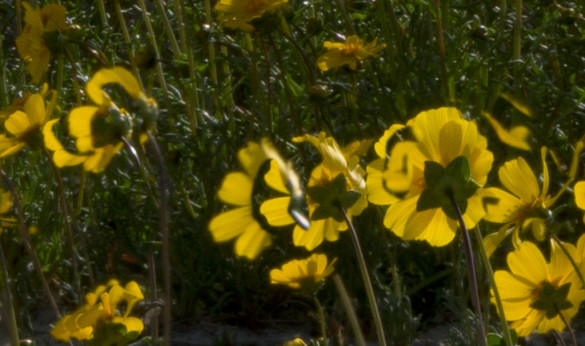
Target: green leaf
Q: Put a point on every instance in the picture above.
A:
(331, 198)
(459, 169)
(434, 173)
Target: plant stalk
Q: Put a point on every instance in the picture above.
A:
(13, 324)
(471, 274)
(366, 278)
(353, 321)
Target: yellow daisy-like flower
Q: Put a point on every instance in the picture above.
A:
(236, 189)
(335, 162)
(534, 293)
(442, 135)
(579, 190)
(237, 14)
(297, 273)
(23, 126)
(526, 207)
(31, 44)
(100, 310)
(348, 53)
(99, 130)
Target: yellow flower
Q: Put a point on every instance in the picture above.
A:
(237, 14)
(100, 310)
(442, 135)
(335, 162)
(236, 189)
(99, 131)
(527, 206)
(24, 125)
(348, 53)
(534, 293)
(296, 273)
(31, 44)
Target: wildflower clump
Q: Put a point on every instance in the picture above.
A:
(349, 53)
(99, 321)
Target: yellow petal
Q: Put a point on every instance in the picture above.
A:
(80, 121)
(381, 146)
(35, 109)
(492, 241)
(310, 238)
(528, 263)
(114, 75)
(501, 206)
(432, 226)
(236, 189)
(230, 224)
(251, 158)
(517, 176)
(377, 192)
(398, 214)
(274, 178)
(132, 324)
(579, 191)
(276, 211)
(18, 123)
(252, 241)
(517, 136)
(51, 141)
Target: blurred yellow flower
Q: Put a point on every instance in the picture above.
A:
(31, 43)
(99, 311)
(24, 126)
(100, 131)
(237, 14)
(526, 207)
(516, 137)
(236, 189)
(579, 190)
(297, 273)
(335, 162)
(534, 293)
(348, 53)
(442, 135)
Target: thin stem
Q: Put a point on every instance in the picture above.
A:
(67, 220)
(322, 323)
(28, 244)
(490, 272)
(13, 324)
(126, 36)
(353, 321)
(471, 275)
(164, 229)
(169, 30)
(366, 278)
(153, 295)
(569, 328)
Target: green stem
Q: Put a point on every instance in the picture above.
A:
(346, 301)
(153, 295)
(164, 229)
(13, 324)
(471, 275)
(569, 328)
(322, 323)
(126, 36)
(490, 272)
(366, 278)
(67, 220)
(28, 244)
(169, 29)
(102, 11)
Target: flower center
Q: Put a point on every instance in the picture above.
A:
(350, 49)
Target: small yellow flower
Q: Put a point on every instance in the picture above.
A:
(534, 293)
(100, 309)
(24, 126)
(348, 53)
(526, 207)
(237, 14)
(31, 44)
(298, 272)
(236, 189)
(442, 135)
